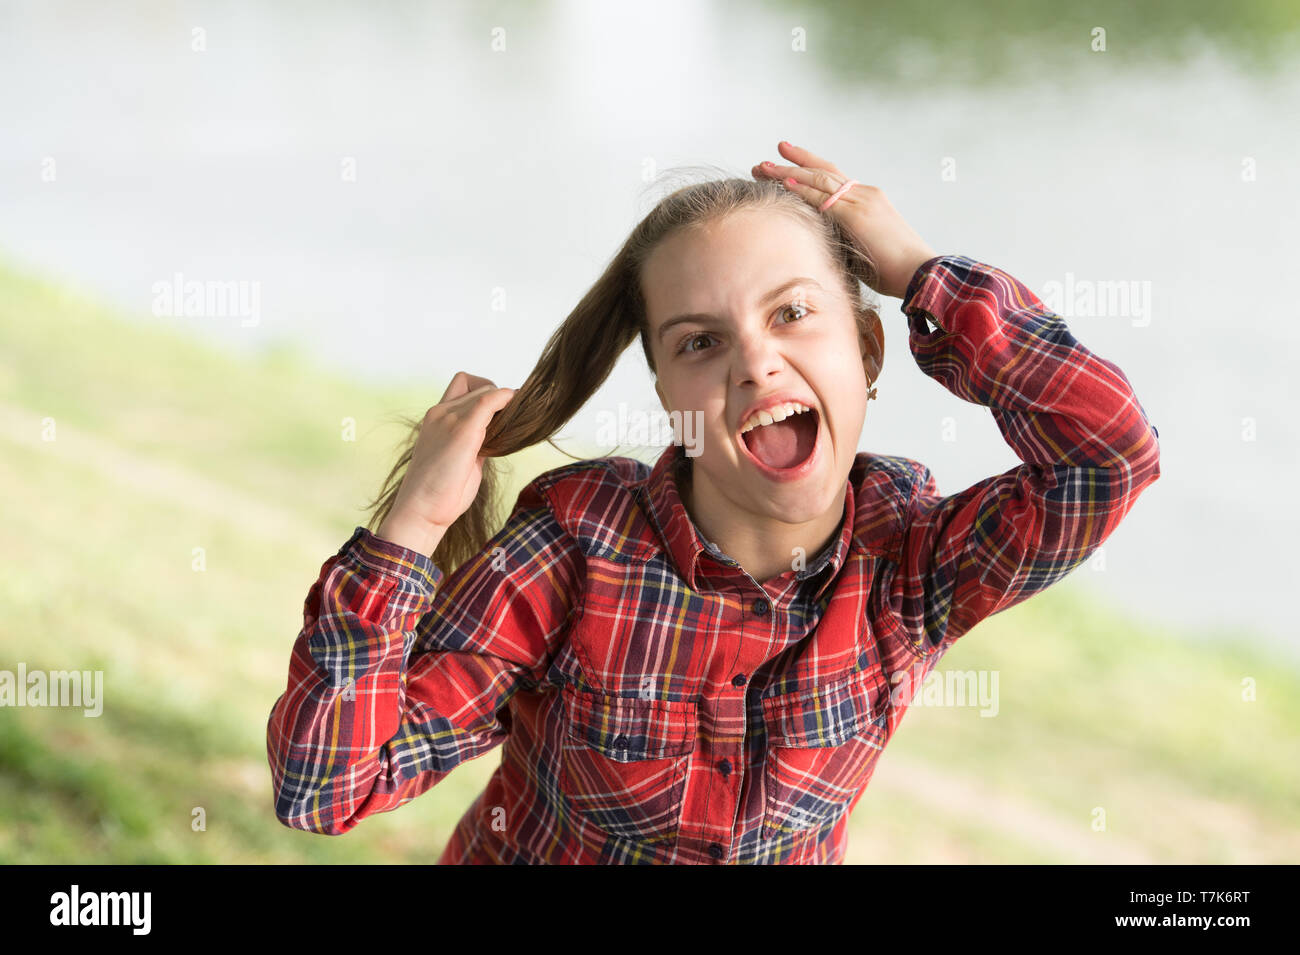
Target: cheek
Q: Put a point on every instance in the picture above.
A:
(695, 392)
(838, 361)
(843, 383)
(698, 392)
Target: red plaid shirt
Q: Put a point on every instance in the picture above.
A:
(655, 703)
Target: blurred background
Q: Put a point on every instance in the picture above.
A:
(394, 192)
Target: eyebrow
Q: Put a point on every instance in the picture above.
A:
(774, 293)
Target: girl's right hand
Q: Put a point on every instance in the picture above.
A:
(443, 476)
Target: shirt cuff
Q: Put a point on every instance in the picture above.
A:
(387, 557)
(919, 276)
(918, 303)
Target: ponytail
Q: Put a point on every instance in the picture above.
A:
(587, 345)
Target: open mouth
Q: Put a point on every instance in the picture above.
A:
(783, 445)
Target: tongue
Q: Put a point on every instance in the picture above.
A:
(783, 444)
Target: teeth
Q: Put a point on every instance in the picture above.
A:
(771, 415)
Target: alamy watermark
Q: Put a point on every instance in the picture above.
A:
(75, 907)
(946, 688)
(645, 428)
(1086, 298)
(193, 299)
(84, 688)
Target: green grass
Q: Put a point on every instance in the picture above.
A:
(163, 446)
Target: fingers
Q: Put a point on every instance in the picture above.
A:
(490, 402)
(803, 157)
(812, 184)
(460, 402)
(802, 160)
(462, 384)
(471, 412)
(466, 407)
(771, 170)
(814, 178)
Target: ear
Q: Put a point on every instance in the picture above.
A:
(872, 337)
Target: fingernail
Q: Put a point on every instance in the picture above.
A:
(791, 182)
(765, 164)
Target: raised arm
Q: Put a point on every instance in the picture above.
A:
(1071, 416)
(397, 676)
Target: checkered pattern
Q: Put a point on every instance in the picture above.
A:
(655, 703)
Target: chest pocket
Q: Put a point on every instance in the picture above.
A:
(624, 761)
(822, 745)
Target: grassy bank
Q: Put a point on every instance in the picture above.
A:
(162, 446)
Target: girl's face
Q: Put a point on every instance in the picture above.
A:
(748, 314)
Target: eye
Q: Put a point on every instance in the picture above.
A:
(800, 306)
(688, 340)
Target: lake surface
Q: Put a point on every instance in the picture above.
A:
(408, 189)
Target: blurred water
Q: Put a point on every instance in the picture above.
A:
(508, 177)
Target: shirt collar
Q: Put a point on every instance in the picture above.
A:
(686, 545)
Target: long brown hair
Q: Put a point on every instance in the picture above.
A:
(585, 348)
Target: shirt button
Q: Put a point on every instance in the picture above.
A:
(760, 607)
(715, 850)
(738, 680)
(620, 742)
(724, 767)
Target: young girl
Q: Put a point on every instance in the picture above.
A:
(698, 663)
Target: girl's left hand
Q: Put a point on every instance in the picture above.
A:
(864, 212)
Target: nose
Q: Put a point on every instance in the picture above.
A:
(757, 359)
